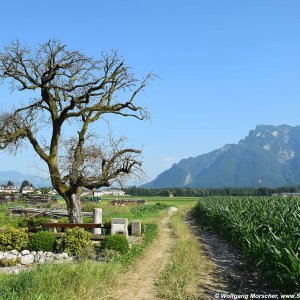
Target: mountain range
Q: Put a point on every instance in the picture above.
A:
(269, 156)
(17, 178)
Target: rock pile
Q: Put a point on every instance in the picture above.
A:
(27, 257)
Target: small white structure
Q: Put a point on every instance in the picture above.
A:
(172, 209)
(86, 192)
(97, 218)
(109, 192)
(52, 192)
(27, 190)
(119, 226)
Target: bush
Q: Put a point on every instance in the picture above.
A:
(63, 220)
(36, 222)
(106, 227)
(90, 199)
(117, 242)
(55, 198)
(42, 241)
(13, 238)
(74, 241)
(87, 253)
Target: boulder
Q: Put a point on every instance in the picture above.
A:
(172, 209)
(27, 259)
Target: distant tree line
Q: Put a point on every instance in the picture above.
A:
(194, 192)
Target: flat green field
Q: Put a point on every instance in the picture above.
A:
(109, 211)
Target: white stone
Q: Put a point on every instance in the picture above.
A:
(172, 209)
(49, 258)
(10, 256)
(27, 259)
(42, 261)
(14, 252)
(33, 252)
(25, 252)
(136, 228)
(43, 255)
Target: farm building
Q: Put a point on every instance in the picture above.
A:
(9, 190)
(27, 190)
(109, 192)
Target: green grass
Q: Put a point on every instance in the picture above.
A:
(266, 229)
(133, 212)
(4, 215)
(184, 275)
(86, 279)
(109, 211)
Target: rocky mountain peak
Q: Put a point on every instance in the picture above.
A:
(270, 153)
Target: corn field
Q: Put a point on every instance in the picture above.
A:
(265, 229)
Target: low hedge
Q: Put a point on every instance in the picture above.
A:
(42, 241)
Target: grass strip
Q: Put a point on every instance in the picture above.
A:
(184, 275)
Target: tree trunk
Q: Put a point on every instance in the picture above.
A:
(74, 209)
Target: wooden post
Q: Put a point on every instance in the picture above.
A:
(97, 218)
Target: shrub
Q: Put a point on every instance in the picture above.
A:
(42, 241)
(36, 222)
(88, 220)
(117, 242)
(74, 240)
(13, 238)
(87, 253)
(106, 228)
(55, 198)
(9, 262)
(90, 199)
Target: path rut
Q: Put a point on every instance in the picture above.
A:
(235, 276)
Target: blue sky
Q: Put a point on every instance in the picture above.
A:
(223, 66)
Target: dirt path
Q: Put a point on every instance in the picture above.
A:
(141, 277)
(233, 273)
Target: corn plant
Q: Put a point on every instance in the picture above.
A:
(266, 229)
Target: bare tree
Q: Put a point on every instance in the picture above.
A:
(71, 90)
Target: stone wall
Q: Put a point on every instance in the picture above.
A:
(26, 258)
